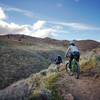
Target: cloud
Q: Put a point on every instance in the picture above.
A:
(38, 29)
(2, 14)
(27, 13)
(48, 32)
(24, 12)
(42, 28)
(75, 26)
(12, 28)
(78, 26)
(38, 25)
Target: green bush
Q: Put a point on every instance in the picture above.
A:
(50, 84)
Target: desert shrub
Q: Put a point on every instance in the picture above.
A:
(41, 95)
(50, 84)
(98, 64)
(46, 87)
(88, 63)
(98, 58)
(35, 96)
(44, 72)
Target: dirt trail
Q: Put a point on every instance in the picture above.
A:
(85, 88)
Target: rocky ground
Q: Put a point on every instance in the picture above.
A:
(85, 88)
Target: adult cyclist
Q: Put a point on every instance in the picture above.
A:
(72, 53)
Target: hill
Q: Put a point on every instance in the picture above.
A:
(20, 55)
(20, 58)
(52, 85)
(26, 74)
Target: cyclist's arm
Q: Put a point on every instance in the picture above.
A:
(67, 52)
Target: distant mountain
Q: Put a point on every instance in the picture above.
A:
(88, 45)
(32, 40)
(84, 45)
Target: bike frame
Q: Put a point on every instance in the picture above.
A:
(75, 67)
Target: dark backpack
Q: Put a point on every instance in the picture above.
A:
(58, 60)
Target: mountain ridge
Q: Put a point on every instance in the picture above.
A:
(83, 44)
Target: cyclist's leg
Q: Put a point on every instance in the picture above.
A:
(78, 68)
(70, 60)
(77, 56)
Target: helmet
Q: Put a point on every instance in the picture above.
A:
(72, 43)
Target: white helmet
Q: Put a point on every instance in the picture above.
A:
(72, 42)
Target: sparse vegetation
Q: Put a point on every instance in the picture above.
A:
(50, 84)
(20, 59)
(46, 86)
(89, 62)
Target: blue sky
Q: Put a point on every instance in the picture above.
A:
(60, 19)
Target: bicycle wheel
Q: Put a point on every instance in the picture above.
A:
(76, 68)
(68, 70)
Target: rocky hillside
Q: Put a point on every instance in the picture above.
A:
(87, 45)
(49, 84)
(21, 56)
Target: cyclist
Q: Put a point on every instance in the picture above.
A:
(72, 52)
(58, 61)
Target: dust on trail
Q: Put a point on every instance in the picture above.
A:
(85, 88)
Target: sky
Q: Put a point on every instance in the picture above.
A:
(58, 19)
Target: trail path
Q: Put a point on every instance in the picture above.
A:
(85, 88)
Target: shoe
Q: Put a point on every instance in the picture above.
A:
(71, 73)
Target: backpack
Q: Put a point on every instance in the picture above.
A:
(58, 60)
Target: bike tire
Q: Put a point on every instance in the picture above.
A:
(77, 70)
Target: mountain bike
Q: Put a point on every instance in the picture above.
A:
(75, 68)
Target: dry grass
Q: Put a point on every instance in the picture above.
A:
(89, 62)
